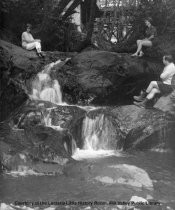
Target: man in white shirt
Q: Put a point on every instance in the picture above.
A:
(155, 87)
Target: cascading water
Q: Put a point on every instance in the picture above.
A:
(45, 88)
(98, 135)
(51, 92)
(94, 133)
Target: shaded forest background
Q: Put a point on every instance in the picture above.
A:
(57, 31)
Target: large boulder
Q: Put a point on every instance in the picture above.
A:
(113, 77)
(144, 128)
(39, 148)
(137, 128)
(122, 176)
(126, 175)
(166, 104)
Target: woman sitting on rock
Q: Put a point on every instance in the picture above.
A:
(151, 33)
(155, 87)
(29, 43)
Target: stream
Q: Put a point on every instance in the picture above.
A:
(159, 166)
(101, 177)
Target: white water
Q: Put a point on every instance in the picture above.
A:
(46, 89)
(52, 93)
(24, 171)
(94, 133)
(82, 154)
(97, 133)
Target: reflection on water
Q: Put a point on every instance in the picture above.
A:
(159, 166)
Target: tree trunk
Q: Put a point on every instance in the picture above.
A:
(70, 10)
(90, 25)
(62, 5)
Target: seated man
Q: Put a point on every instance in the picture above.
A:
(151, 33)
(155, 87)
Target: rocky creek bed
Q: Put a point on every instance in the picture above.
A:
(40, 137)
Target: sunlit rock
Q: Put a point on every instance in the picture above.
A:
(165, 104)
(126, 175)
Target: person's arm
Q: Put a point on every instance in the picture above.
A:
(153, 33)
(151, 37)
(168, 72)
(27, 39)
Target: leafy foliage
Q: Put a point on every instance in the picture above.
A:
(46, 21)
(129, 15)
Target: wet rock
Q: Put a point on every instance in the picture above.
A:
(127, 175)
(139, 128)
(32, 147)
(65, 116)
(30, 113)
(70, 118)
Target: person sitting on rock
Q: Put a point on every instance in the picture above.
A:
(151, 33)
(155, 87)
(29, 43)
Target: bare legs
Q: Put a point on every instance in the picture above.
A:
(140, 44)
(152, 90)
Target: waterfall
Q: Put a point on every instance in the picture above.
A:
(95, 133)
(45, 88)
(100, 138)
(51, 92)
(98, 134)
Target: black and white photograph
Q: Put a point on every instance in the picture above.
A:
(87, 104)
